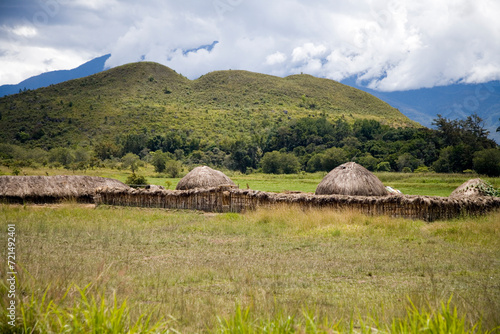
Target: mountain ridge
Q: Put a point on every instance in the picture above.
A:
(455, 101)
(93, 66)
(150, 97)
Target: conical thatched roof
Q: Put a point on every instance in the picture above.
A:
(203, 177)
(40, 188)
(471, 188)
(351, 179)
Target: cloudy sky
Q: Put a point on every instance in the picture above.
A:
(389, 45)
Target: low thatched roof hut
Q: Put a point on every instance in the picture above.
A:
(471, 188)
(203, 177)
(50, 189)
(351, 179)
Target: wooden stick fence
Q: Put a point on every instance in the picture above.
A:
(231, 199)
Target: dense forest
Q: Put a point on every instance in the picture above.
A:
(307, 144)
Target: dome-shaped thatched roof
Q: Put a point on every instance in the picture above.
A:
(351, 179)
(52, 188)
(471, 188)
(203, 177)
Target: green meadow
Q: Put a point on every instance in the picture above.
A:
(83, 269)
(429, 184)
(118, 269)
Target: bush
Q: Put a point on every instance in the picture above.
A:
(368, 161)
(384, 166)
(487, 162)
(407, 160)
(130, 160)
(332, 158)
(280, 163)
(173, 168)
(314, 164)
(159, 161)
(61, 155)
(136, 180)
(422, 169)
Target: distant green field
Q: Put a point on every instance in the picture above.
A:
(430, 184)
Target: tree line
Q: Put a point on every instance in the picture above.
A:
(308, 144)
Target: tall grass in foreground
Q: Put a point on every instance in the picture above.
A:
(84, 314)
(88, 314)
(443, 320)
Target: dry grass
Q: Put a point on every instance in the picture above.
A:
(195, 267)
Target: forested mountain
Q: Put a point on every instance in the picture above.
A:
(235, 119)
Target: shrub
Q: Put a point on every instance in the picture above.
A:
(487, 162)
(368, 161)
(159, 161)
(136, 180)
(407, 160)
(314, 164)
(406, 170)
(61, 155)
(130, 160)
(280, 163)
(332, 158)
(384, 166)
(173, 168)
(422, 169)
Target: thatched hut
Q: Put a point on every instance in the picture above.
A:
(471, 188)
(351, 179)
(51, 189)
(203, 177)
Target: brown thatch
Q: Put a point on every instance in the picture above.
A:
(203, 177)
(471, 188)
(49, 189)
(154, 187)
(232, 199)
(351, 179)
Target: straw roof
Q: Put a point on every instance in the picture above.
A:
(471, 188)
(351, 179)
(59, 186)
(203, 177)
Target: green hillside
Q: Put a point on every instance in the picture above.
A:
(149, 98)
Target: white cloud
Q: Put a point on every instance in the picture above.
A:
(307, 52)
(25, 31)
(390, 45)
(30, 61)
(276, 58)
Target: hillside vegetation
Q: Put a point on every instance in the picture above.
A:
(151, 98)
(237, 120)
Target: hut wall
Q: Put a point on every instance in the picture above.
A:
(5, 199)
(228, 199)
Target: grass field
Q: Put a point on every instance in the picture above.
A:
(430, 184)
(287, 269)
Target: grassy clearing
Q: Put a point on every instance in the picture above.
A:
(430, 184)
(194, 272)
